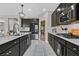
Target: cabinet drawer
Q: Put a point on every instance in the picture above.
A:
(14, 51)
(73, 47)
(71, 53)
(8, 45)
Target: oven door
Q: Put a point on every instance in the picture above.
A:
(59, 48)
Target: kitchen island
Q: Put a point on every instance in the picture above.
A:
(14, 45)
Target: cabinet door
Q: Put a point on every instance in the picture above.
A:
(53, 19)
(14, 51)
(21, 48)
(71, 53)
(52, 38)
(28, 40)
(59, 47)
(49, 39)
(8, 45)
(25, 45)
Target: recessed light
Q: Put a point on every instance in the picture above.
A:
(72, 7)
(44, 10)
(29, 9)
(59, 9)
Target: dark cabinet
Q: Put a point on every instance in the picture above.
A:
(51, 40)
(64, 14)
(57, 44)
(10, 48)
(59, 48)
(72, 49)
(14, 51)
(24, 44)
(62, 47)
(53, 19)
(8, 45)
(21, 48)
(28, 41)
(16, 47)
(71, 53)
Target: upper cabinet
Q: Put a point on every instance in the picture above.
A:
(65, 13)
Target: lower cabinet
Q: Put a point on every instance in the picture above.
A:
(72, 49)
(59, 46)
(62, 47)
(71, 53)
(14, 51)
(51, 40)
(16, 47)
(24, 44)
(22, 48)
(28, 41)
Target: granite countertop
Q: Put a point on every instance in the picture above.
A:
(5, 39)
(74, 41)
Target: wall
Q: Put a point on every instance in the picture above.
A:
(6, 23)
(70, 26)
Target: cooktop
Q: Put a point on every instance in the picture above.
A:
(66, 35)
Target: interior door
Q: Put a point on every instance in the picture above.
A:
(42, 30)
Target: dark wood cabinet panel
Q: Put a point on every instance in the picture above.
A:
(51, 40)
(64, 9)
(14, 51)
(24, 44)
(71, 53)
(62, 47)
(8, 45)
(16, 47)
(53, 19)
(21, 48)
(74, 48)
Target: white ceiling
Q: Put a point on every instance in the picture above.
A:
(30, 9)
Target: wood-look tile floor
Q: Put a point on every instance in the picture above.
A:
(39, 48)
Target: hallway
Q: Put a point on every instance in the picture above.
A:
(39, 48)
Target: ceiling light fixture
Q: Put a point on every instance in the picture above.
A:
(29, 9)
(22, 13)
(72, 7)
(59, 9)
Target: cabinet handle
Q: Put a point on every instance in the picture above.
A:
(15, 42)
(10, 51)
(7, 53)
(74, 49)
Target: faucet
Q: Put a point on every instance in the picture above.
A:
(64, 28)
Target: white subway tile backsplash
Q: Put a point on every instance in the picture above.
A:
(70, 26)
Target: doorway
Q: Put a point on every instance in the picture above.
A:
(42, 30)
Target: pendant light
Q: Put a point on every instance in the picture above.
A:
(22, 13)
